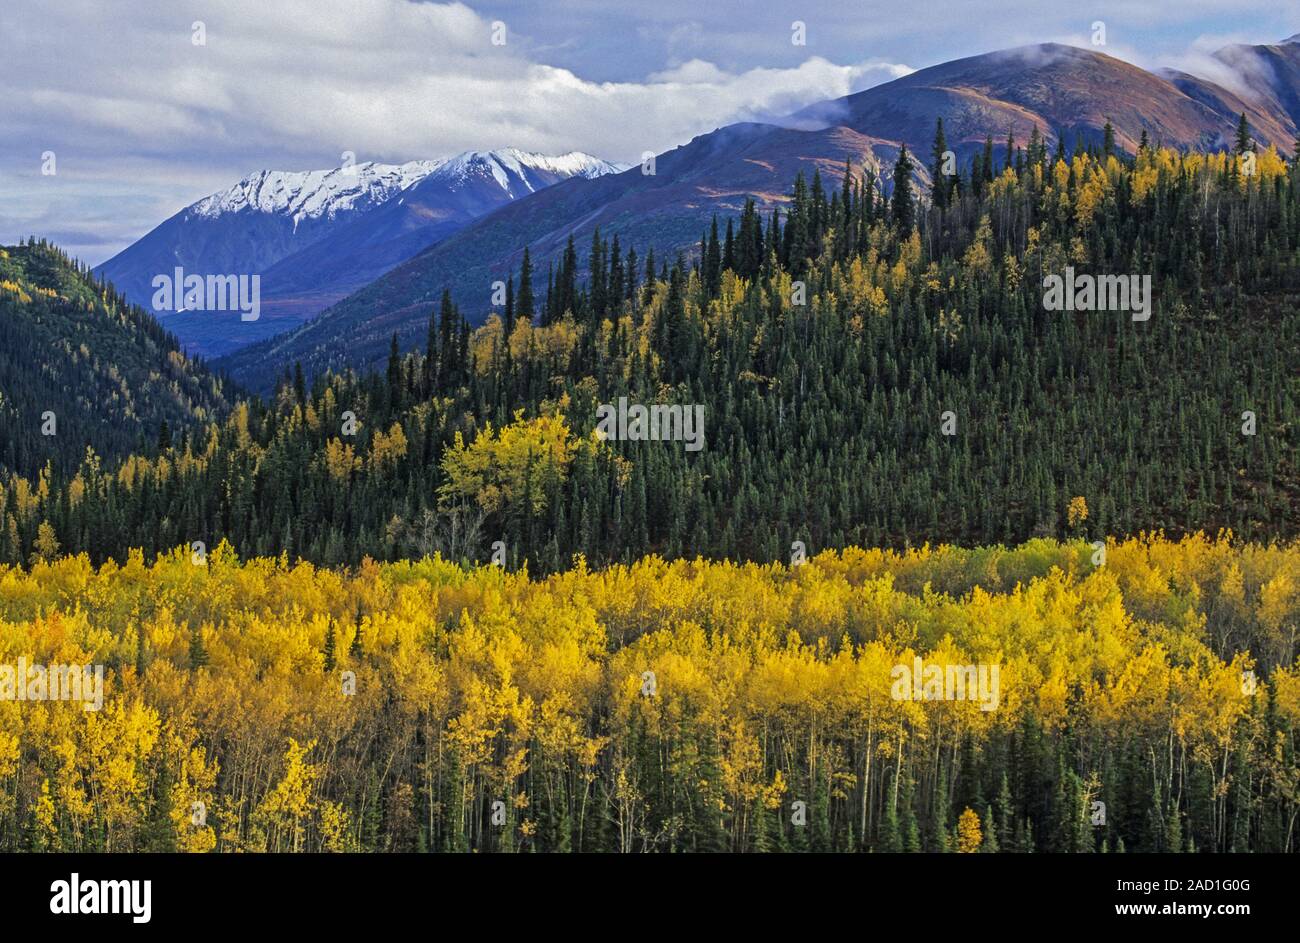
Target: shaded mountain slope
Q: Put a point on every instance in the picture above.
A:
(108, 373)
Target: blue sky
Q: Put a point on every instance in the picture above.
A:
(143, 121)
(625, 41)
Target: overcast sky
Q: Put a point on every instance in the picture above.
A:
(142, 121)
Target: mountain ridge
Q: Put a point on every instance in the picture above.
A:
(1058, 90)
(360, 220)
(82, 367)
(714, 172)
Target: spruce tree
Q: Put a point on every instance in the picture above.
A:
(394, 376)
(198, 651)
(1244, 142)
(713, 262)
(939, 189)
(524, 303)
(446, 339)
(901, 207)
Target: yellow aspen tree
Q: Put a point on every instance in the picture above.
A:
(285, 808)
(969, 835)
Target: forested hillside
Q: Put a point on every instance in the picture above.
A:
(915, 390)
(666, 706)
(80, 367)
(1071, 96)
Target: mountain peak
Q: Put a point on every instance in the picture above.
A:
(316, 236)
(510, 165)
(312, 194)
(315, 194)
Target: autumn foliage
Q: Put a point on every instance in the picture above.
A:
(494, 711)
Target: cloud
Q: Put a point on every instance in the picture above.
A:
(1245, 75)
(125, 95)
(144, 122)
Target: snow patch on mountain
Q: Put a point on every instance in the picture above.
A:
(314, 194)
(572, 164)
(511, 166)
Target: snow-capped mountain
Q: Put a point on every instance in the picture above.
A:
(451, 195)
(313, 194)
(511, 167)
(315, 236)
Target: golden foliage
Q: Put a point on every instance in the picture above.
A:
(497, 469)
(516, 680)
(968, 832)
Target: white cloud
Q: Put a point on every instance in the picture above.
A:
(144, 122)
(293, 84)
